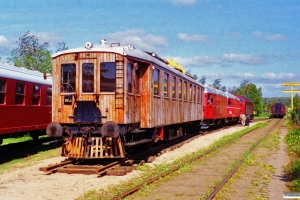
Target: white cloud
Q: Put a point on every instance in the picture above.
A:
(5, 45)
(184, 2)
(273, 37)
(139, 39)
(197, 61)
(52, 38)
(249, 59)
(193, 37)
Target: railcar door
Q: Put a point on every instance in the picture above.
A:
(86, 109)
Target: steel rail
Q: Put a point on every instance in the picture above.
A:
(217, 189)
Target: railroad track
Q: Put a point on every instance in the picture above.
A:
(210, 173)
(123, 166)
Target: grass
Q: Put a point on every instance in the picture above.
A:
(293, 141)
(18, 139)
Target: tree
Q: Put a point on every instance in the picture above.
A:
(216, 84)
(61, 46)
(250, 91)
(31, 55)
(202, 80)
(223, 88)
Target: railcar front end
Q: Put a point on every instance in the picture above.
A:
(109, 98)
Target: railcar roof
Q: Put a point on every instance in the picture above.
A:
(19, 73)
(211, 90)
(128, 51)
(244, 98)
(228, 95)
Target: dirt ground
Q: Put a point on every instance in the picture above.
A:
(30, 183)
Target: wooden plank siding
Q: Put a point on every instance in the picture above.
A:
(143, 108)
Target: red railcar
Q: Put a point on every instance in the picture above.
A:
(25, 101)
(233, 108)
(215, 107)
(278, 110)
(246, 106)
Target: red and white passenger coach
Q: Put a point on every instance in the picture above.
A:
(25, 101)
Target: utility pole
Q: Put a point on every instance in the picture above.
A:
(292, 84)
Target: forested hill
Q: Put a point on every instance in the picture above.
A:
(270, 100)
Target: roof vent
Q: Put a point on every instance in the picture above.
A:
(103, 42)
(88, 45)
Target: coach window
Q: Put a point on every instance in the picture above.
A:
(184, 90)
(108, 77)
(229, 102)
(133, 72)
(2, 91)
(20, 89)
(68, 78)
(36, 94)
(173, 87)
(156, 81)
(166, 84)
(180, 89)
(191, 92)
(49, 95)
(88, 77)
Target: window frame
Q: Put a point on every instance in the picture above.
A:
(20, 94)
(3, 92)
(36, 95)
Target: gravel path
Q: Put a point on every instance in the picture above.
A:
(30, 183)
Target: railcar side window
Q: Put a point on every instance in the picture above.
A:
(166, 85)
(2, 91)
(180, 89)
(108, 77)
(36, 94)
(133, 72)
(185, 90)
(20, 92)
(194, 93)
(191, 92)
(156, 81)
(173, 87)
(68, 78)
(88, 77)
(49, 95)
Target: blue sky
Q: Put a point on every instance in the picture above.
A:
(233, 40)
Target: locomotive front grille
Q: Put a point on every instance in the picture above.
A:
(95, 147)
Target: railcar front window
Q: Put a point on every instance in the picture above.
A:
(20, 92)
(68, 78)
(108, 77)
(166, 86)
(49, 95)
(36, 94)
(2, 91)
(156, 81)
(88, 77)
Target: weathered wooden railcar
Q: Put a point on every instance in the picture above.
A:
(215, 109)
(107, 98)
(278, 110)
(25, 101)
